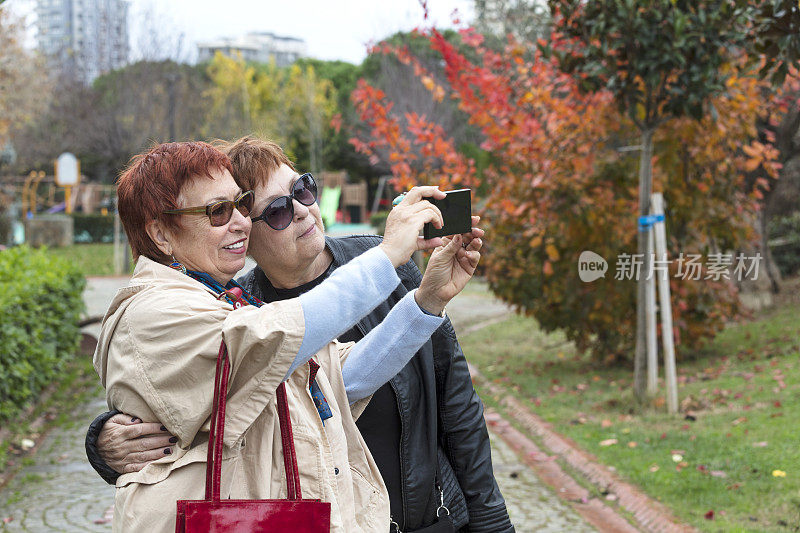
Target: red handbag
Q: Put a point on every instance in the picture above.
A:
(215, 515)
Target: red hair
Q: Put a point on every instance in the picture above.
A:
(152, 184)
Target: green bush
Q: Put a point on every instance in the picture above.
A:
(40, 305)
(93, 228)
(5, 227)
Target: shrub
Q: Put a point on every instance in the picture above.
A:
(40, 305)
(93, 228)
(5, 228)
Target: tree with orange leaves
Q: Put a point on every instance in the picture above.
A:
(556, 184)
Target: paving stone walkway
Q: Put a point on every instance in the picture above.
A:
(58, 490)
(532, 506)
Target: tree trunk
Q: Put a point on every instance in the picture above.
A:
(645, 189)
(171, 103)
(770, 267)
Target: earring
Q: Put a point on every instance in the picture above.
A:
(177, 265)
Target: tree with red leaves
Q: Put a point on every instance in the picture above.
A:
(556, 184)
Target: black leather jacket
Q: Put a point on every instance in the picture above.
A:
(435, 397)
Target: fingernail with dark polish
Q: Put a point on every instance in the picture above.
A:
(173, 440)
(134, 419)
(163, 428)
(167, 451)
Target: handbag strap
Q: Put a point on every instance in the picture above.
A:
(217, 432)
(289, 454)
(211, 471)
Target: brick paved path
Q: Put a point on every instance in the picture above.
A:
(60, 491)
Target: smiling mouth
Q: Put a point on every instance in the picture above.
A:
(308, 231)
(235, 246)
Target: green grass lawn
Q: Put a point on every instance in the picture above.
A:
(739, 458)
(92, 259)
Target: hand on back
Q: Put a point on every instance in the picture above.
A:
(127, 444)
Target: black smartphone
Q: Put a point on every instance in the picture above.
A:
(456, 210)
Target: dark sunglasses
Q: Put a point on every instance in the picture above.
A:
(280, 211)
(220, 213)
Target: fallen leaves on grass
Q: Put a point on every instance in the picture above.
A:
(762, 444)
(778, 473)
(709, 515)
(608, 442)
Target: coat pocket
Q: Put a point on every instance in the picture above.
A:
(453, 495)
(366, 500)
(309, 464)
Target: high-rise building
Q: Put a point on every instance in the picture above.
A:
(83, 38)
(260, 47)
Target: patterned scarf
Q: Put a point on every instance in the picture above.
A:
(234, 294)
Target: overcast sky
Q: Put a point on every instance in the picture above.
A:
(332, 29)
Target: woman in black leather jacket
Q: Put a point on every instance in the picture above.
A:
(425, 428)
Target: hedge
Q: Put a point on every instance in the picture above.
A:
(40, 304)
(93, 227)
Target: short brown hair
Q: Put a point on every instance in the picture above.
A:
(152, 183)
(254, 160)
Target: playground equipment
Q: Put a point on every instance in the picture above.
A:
(68, 175)
(338, 196)
(29, 189)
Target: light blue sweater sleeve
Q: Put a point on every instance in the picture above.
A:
(386, 349)
(335, 305)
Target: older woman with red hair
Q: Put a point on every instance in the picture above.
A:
(188, 223)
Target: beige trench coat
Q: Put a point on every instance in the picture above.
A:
(156, 358)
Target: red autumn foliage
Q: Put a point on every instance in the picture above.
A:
(556, 184)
